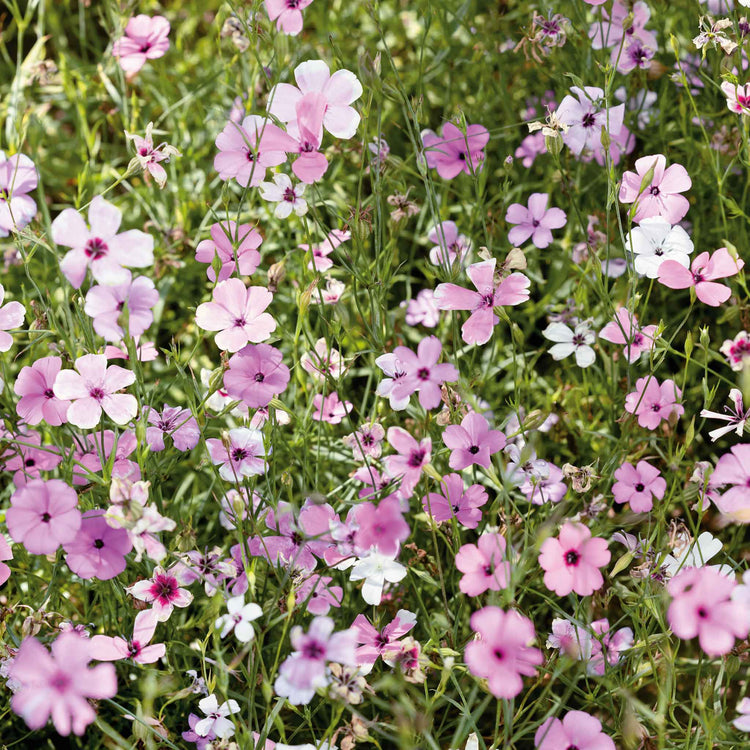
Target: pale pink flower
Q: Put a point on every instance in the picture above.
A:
(534, 222)
(6, 553)
(733, 469)
(366, 441)
(330, 408)
(472, 442)
(38, 401)
(512, 290)
(59, 683)
(98, 550)
(638, 485)
(318, 595)
(137, 648)
(18, 177)
(145, 38)
(286, 195)
(606, 646)
(531, 146)
(483, 565)
(661, 196)
(736, 415)
(577, 730)
(703, 272)
(106, 304)
(322, 362)
(93, 389)
(242, 454)
(100, 247)
(502, 653)
(255, 375)
(216, 723)
(742, 722)
(652, 402)
(162, 591)
(11, 316)
(320, 252)
(571, 561)
(449, 245)
(454, 152)
(738, 97)
(624, 329)
(177, 423)
(238, 314)
(584, 115)
(737, 351)
(236, 247)
(422, 310)
(383, 643)
(287, 14)
(457, 502)
(396, 371)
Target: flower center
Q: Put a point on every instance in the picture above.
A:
(639, 487)
(499, 654)
(289, 195)
(474, 450)
(49, 393)
(98, 543)
(416, 458)
(313, 650)
(572, 557)
(238, 454)
(423, 373)
(96, 393)
(96, 248)
(46, 517)
(654, 190)
(60, 681)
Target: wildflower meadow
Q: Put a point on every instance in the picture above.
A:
(374, 374)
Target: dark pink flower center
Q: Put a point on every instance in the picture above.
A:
(313, 650)
(49, 393)
(46, 517)
(588, 120)
(165, 588)
(96, 248)
(416, 458)
(135, 649)
(654, 190)
(423, 373)
(96, 393)
(239, 322)
(499, 654)
(474, 450)
(639, 487)
(572, 557)
(60, 681)
(238, 454)
(702, 613)
(289, 195)
(259, 377)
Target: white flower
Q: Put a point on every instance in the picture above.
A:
(472, 742)
(285, 194)
(238, 618)
(376, 569)
(737, 416)
(655, 241)
(216, 717)
(569, 341)
(696, 555)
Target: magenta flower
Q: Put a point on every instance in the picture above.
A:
(455, 152)
(145, 38)
(702, 274)
(241, 455)
(733, 469)
(11, 316)
(512, 290)
(624, 329)
(18, 177)
(93, 389)
(502, 654)
(571, 561)
(329, 408)
(38, 401)
(287, 14)
(43, 515)
(105, 304)
(411, 458)
(304, 671)
(534, 222)
(339, 91)
(246, 151)
(59, 683)
(661, 197)
(99, 247)
(383, 643)
(98, 550)
(472, 442)
(652, 402)
(237, 313)
(104, 648)
(162, 591)
(235, 245)
(702, 606)
(423, 374)
(255, 375)
(638, 485)
(456, 502)
(483, 565)
(179, 424)
(6, 553)
(577, 730)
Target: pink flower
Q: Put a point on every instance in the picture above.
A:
(456, 502)
(59, 683)
(422, 310)
(472, 442)
(638, 485)
(28, 458)
(366, 441)
(105, 304)
(661, 196)
(179, 424)
(702, 606)
(322, 363)
(612, 28)
(255, 375)
(93, 389)
(339, 91)
(737, 351)
(502, 653)
(145, 38)
(320, 252)
(383, 643)
(11, 316)
(546, 486)
(237, 313)
(6, 553)
(606, 646)
(148, 156)
(701, 275)
(738, 97)
(733, 469)
(287, 14)
(318, 594)
(455, 152)
(534, 222)
(18, 177)
(97, 448)
(585, 114)
(576, 730)
(423, 374)
(512, 290)
(162, 591)
(736, 415)
(98, 550)
(571, 561)
(43, 515)
(99, 247)
(236, 247)
(624, 330)
(38, 401)
(483, 565)
(410, 460)
(531, 146)
(304, 671)
(329, 408)
(449, 244)
(246, 151)
(104, 648)
(381, 527)
(241, 455)
(653, 402)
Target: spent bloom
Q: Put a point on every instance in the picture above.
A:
(535, 221)
(702, 275)
(145, 38)
(18, 177)
(639, 485)
(484, 565)
(571, 561)
(11, 316)
(99, 246)
(455, 152)
(660, 195)
(148, 156)
(652, 401)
